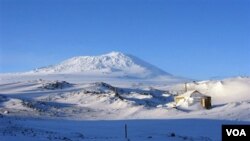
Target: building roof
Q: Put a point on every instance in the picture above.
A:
(193, 93)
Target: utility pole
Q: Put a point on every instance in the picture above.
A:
(126, 131)
(186, 87)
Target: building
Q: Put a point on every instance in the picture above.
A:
(194, 97)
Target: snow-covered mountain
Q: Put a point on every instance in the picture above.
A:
(114, 63)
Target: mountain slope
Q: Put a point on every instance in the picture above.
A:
(114, 63)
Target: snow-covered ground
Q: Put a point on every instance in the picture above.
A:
(50, 105)
(59, 110)
(23, 129)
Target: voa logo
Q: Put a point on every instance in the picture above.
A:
(236, 132)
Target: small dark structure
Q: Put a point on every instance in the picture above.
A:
(206, 102)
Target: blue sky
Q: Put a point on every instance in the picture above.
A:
(199, 39)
